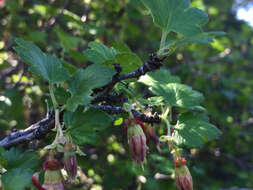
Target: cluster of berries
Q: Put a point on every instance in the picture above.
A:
(138, 135)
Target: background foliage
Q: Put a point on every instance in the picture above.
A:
(221, 71)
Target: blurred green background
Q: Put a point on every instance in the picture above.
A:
(222, 71)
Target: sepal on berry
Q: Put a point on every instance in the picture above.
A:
(182, 175)
(137, 143)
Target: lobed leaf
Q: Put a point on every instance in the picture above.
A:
(99, 53)
(119, 53)
(16, 159)
(84, 80)
(161, 76)
(178, 95)
(176, 16)
(17, 179)
(83, 126)
(47, 66)
(193, 129)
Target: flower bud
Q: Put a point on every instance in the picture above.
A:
(137, 143)
(53, 179)
(70, 162)
(182, 175)
(149, 131)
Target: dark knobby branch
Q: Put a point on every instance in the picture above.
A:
(117, 110)
(43, 127)
(35, 131)
(110, 99)
(153, 63)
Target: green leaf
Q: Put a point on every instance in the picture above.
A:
(17, 179)
(202, 38)
(161, 76)
(193, 129)
(175, 15)
(152, 101)
(99, 53)
(84, 80)
(3, 161)
(16, 159)
(45, 65)
(128, 61)
(67, 41)
(178, 95)
(121, 47)
(83, 126)
(164, 85)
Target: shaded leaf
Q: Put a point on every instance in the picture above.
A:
(17, 179)
(45, 65)
(83, 126)
(84, 80)
(67, 41)
(129, 61)
(16, 159)
(99, 53)
(121, 47)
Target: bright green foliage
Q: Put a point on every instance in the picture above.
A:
(193, 129)
(84, 80)
(161, 76)
(202, 38)
(84, 126)
(47, 66)
(176, 16)
(164, 85)
(99, 53)
(179, 95)
(17, 179)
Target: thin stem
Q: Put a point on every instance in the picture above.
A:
(163, 39)
(51, 91)
(162, 43)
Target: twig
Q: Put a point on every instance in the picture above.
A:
(110, 99)
(152, 64)
(35, 131)
(43, 127)
(117, 110)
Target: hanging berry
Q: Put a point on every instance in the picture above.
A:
(136, 141)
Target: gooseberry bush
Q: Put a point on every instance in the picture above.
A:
(114, 89)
